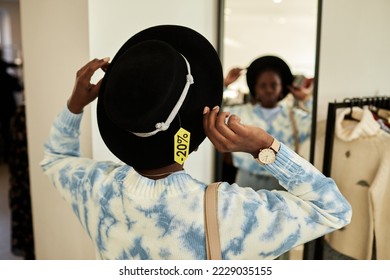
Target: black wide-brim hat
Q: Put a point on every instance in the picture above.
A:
(273, 63)
(142, 85)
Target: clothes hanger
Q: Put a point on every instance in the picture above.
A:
(352, 102)
(380, 107)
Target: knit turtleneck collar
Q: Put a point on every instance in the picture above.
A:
(364, 126)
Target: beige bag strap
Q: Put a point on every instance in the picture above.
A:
(295, 131)
(213, 246)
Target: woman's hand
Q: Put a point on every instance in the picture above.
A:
(232, 76)
(227, 133)
(84, 92)
(303, 92)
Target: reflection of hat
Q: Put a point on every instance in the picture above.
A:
(273, 63)
(147, 94)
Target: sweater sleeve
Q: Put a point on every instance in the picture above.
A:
(307, 104)
(72, 175)
(277, 221)
(304, 181)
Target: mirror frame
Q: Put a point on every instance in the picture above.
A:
(312, 249)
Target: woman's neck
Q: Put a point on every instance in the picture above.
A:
(160, 173)
(269, 106)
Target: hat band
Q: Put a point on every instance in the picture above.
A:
(162, 126)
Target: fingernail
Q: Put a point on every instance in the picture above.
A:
(216, 107)
(205, 110)
(106, 59)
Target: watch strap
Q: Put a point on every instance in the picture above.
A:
(275, 145)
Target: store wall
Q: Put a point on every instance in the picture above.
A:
(55, 45)
(354, 56)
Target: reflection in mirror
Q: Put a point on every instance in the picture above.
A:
(259, 38)
(251, 29)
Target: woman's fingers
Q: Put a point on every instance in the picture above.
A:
(93, 66)
(95, 88)
(222, 125)
(217, 130)
(84, 92)
(85, 74)
(212, 133)
(228, 134)
(236, 127)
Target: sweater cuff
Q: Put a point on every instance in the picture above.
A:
(69, 119)
(290, 167)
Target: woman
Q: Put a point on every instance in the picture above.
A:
(163, 81)
(270, 81)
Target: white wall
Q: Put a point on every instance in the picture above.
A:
(58, 38)
(260, 27)
(354, 56)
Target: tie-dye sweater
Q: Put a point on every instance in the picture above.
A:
(129, 216)
(278, 124)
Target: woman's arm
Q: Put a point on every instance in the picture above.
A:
(311, 207)
(72, 175)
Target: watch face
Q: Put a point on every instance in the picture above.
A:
(267, 156)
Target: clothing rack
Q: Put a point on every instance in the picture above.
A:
(382, 102)
(377, 102)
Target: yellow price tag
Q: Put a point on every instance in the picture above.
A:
(182, 145)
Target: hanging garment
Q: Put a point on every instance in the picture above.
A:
(361, 169)
(8, 86)
(22, 241)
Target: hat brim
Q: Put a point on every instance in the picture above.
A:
(158, 150)
(265, 63)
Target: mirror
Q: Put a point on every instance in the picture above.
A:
(250, 29)
(253, 28)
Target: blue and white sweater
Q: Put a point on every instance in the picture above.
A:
(129, 216)
(278, 124)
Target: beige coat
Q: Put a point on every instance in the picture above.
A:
(361, 169)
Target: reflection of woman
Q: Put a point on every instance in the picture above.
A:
(270, 80)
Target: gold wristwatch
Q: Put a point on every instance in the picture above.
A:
(268, 155)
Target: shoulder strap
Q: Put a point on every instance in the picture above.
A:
(213, 246)
(295, 130)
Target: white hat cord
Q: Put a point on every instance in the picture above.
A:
(161, 126)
